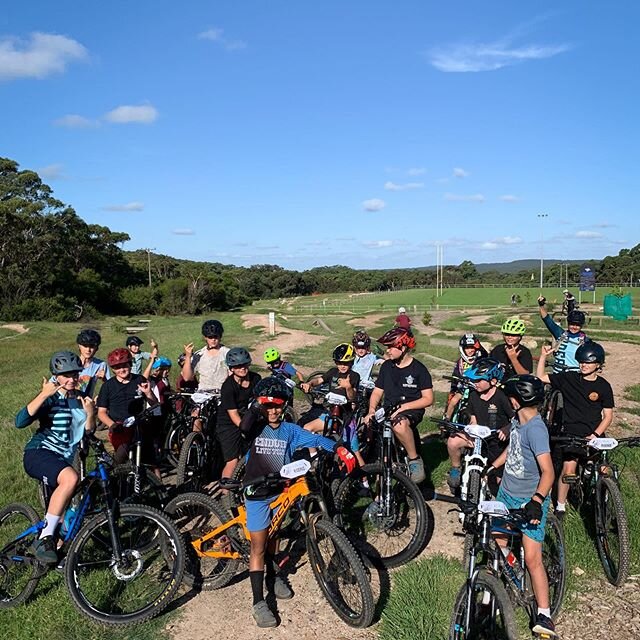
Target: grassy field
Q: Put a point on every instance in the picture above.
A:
(24, 361)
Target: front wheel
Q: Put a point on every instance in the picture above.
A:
(612, 531)
(134, 585)
(554, 558)
(340, 573)
(390, 539)
(491, 617)
(19, 572)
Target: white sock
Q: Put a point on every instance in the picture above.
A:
(50, 524)
(561, 506)
(545, 612)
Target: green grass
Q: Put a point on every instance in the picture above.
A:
(632, 392)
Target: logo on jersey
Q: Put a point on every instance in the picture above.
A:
(410, 382)
(593, 396)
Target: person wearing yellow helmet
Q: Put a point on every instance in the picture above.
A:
(278, 366)
(516, 358)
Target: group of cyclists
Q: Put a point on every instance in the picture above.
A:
(497, 388)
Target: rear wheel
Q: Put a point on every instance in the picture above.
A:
(396, 538)
(19, 571)
(196, 514)
(491, 617)
(179, 429)
(340, 573)
(612, 531)
(192, 463)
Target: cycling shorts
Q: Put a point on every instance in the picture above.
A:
(230, 440)
(414, 416)
(259, 513)
(533, 531)
(44, 465)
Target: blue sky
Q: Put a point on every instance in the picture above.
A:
(357, 133)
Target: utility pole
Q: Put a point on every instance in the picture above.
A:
(542, 217)
(149, 263)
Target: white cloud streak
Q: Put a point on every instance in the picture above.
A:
(588, 235)
(416, 171)
(43, 54)
(74, 121)
(217, 35)
(453, 197)
(392, 186)
(378, 244)
(373, 204)
(125, 114)
(52, 172)
(183, 232)
(460, 173)
(497, 243)
(130, 206)
(509, 198)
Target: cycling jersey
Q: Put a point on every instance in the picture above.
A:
(88, 379)
(122, 399)
(284, 368)
(212, 370)
(524, 358)
(333, 375)
(568, 343)
(458, 372)
(364, 365)
(136, 361)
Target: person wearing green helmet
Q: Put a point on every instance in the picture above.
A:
(278, 366)
(515, 357)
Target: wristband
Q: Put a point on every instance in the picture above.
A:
(539, 495)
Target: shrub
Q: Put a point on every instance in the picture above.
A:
(426, 318)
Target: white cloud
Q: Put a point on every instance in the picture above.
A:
(374, 204)
(588, 235)
(509, 198)
(142, 114)
(74, 121)
(217, 35)
(475, 57)
(130, 206)
(460, 173)
(378, 244)
(38, 57)
(416, 171)
(491, 246)
(392, 186)
(605, 225)
(501, 242)
(453, 197)
(52, 172)
(183, 232)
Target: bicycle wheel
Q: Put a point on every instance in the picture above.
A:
(192, 462)
(122, 480)
(612, 531)
(233, 499)
(340, 573)
(554, 558)
(19, 572)
(195, 514)
(179, 429)
(138, 584)
(492, 616)
(397, 538)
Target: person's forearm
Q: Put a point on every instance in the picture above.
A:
(103, 416)
(36, 403)
(234, 416)
(605, 423)
(546, 482)
(374, 400)
(187, 371)
(500, 460)
(542, 361)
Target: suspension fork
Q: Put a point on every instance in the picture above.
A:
(111, 508)
(387, 468)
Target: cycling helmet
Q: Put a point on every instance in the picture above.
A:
(576, 317)
(119, 356)
(590, 352)
(526, 389)
(65, 362)
(468, 341)
(402, 310)
(134, 340)
(565, 291)
(271, 390)
(485, 369)
(398, 337)
(161, 362)
(514, 326)
(344, 353)
(89, 338)
(212, 329)
(361, 340)
(237, 357)
(271, 355)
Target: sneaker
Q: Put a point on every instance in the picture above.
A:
(44, 549)
(263, 615)
(281, 588)
(544, 627)
(416, 470)
(454, 478)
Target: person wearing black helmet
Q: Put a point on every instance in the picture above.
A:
(235, 396)
(208, 363)
(64, 415)
(587, 405)
(365, 360)
(527, 480)
(567, 340)
(133, 343)
(93, 369)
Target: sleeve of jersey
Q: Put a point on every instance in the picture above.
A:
(24, 419)
(526, 361)
(381, 376)
(107, 371)
(302, 438)
(554, 329)
(425, 380)
(289, 369)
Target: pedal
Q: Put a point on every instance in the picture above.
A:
(570, 478)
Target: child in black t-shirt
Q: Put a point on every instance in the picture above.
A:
(587, 405)
(516, 358)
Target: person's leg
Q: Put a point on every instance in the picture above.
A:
(315, 426)
(404, 432)
(229, 467)
(543, 624)
(569, 467)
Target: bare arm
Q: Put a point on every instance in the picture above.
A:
(542, 361)
(187, 369)
(605, 423)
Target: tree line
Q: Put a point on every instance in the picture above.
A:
(55, 266)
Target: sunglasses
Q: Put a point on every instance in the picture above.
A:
(239, 366)
(121, 366)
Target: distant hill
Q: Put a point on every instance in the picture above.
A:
(517, 265)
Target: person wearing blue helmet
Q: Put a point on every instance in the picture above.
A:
(488, 406)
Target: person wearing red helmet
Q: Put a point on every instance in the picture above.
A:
(405, 381)
(122, 396)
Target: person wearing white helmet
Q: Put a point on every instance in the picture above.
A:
(402, 319)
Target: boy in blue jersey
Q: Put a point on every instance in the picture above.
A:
(93, 369)
(273, 445)
(365, 360)
(279, 366)
(64, 415)
(134, 343)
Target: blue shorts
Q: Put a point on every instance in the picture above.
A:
(44, 465)
(259, 513)
(533, 531)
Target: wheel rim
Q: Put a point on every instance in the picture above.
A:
(608, 533)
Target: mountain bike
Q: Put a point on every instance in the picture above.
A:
(595, 491)
(484, 606)
(122, 563)
(178, 425)
(300, 509)
(379, 507)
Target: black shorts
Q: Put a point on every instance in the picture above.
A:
(414, 416)
(44, 466)
(230, 441)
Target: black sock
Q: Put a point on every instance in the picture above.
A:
(270, 566)
(257, 587)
